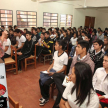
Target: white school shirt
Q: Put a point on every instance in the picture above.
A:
(61, 36)
(7, 43)
(100, 81)
(73, 40)
(53, 36)
(94, 100)
(20, 40)
(60, 61)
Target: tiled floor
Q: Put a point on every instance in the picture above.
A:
(24, 87)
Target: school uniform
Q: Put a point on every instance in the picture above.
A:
(8, 52)
(59, 62)
(73, 41)
(20, 40)
(71, 97)
(42, 49)
(59, 77)
(97, 58)
(100, 85)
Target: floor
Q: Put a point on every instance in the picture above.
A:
(24, 87)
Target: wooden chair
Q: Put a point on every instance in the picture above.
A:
(32, 57)
(9, 60)
(14, 103)
(53, 86)
(67, 50)
(48, 55)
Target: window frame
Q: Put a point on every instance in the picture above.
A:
(50, 19)
(7, 17)
(66, 20)
(26, 18)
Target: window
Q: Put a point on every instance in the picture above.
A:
(50, 19)
(26, 19)
(66, 21)
(6, 17)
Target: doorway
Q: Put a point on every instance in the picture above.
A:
(89, 21)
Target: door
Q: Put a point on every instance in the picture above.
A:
(89, 21)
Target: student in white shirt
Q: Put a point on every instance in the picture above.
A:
(79, 93)
(74, 39)
(7, 46)
(60, 60)
(20, 38)
(42, 36)
(61, 34)
(100, 83)
(83, 34)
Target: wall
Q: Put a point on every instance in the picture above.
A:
(79, 16)
(102, 19)
(56, 7)
(53, 7)
(25, 5)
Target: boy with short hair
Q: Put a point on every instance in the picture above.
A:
(83, 56)
(26, 51)
(20, 38)
(97, 54)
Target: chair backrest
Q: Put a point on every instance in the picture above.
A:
(35, 51)
(14, 52)
(13, 103)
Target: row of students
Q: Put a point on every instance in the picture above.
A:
(82, 56)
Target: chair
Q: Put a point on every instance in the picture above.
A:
(53, 86)
(9, 60)
(13, 103)
(32, 57)
(67, 50)
(48, 55)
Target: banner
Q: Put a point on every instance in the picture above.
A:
(4, 101)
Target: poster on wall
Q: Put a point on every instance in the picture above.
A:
(4, 101)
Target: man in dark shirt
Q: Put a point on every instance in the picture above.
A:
(26, 51)
(97, 54)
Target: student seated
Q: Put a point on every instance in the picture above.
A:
(13, 37)
(106, 44)
(26, 51)
(89, 39)
(11, 33)
(69, 35)
(35, 36)
(100, 83)
(79, 92)
(39, 43)
(94, 37)
(60, 60)
(101, 36)
(7, 46)
(52, 36)
(82, 55)
(25, 31)
(61, 34)
(73, 54)
(46, 46)
(38, 31)
(83, 34)
(65, 38)
(20, 39)
(97, 54)
(74, 39)
(57, 37)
